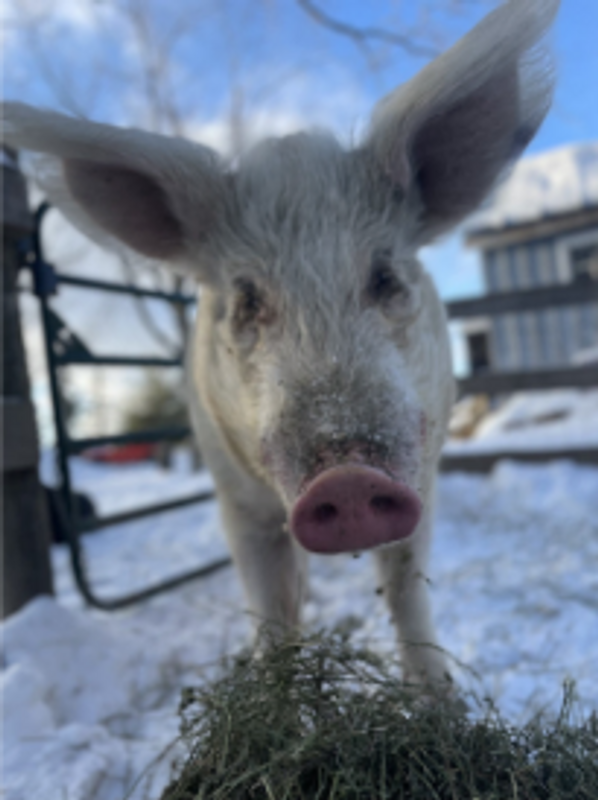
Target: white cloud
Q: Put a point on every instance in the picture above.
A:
(80, 14)
(34, 34)
(330, 100)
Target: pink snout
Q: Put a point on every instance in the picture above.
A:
(353, 507)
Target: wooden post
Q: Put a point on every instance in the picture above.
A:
(25, 526)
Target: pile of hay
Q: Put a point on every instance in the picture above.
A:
(322, 719)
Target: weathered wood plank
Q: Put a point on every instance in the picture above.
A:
(19, 441)
(26, 541)
(483, 462)
(490, 239)
(525, 300)
(14, 214)
(26, 531)
(506, 382)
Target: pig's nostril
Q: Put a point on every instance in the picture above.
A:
(384, 504)
(325, 512)
(352, 507)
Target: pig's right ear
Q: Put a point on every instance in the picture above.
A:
(158, 196)
(444, 138)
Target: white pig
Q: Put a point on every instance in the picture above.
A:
(320, 363)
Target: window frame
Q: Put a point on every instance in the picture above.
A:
(564, 248)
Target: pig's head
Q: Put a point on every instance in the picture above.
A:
(333, 347)
(321, 352)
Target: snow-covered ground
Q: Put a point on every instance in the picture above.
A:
(89, 698)
(552, 419)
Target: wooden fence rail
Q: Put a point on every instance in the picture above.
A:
(483, 462)
(524, 300)
(505, 382)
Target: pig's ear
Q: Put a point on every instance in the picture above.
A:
(445, 137)
(158, 196)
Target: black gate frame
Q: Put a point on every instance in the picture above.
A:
(64, 348)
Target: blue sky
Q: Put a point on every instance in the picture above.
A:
(574, 116)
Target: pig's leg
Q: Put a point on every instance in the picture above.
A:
(272, 567)
(402, 570)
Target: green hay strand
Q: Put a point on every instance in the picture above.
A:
(322, 720)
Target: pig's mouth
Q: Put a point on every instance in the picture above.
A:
(353, 506)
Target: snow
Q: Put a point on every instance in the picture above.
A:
(589, 355)
(89, 698)
(547, 184)
(546, 420)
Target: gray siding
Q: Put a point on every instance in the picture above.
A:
(535, 339)
(545, 260)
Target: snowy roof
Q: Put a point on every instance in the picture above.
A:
(545, 185)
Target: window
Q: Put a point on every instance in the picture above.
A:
(584, 262)
(577, 257)
(478, 345)
(479, 352)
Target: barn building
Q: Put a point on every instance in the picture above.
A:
(540, 229)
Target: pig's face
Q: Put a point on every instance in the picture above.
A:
(324, 361)
(328, 371)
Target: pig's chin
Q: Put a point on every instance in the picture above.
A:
(353, 506)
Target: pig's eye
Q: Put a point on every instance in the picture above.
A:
(383, 284)
(249, 305)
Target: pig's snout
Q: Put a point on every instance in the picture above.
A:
(353, 507)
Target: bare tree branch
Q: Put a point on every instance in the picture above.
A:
(361, 36)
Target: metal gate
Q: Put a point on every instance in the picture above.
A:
(64, 348)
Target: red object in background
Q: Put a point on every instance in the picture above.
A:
(121, 454)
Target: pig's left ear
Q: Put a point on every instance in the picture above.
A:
(158, 196)
(445, 137)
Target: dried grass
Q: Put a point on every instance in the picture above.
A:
(319, 718)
